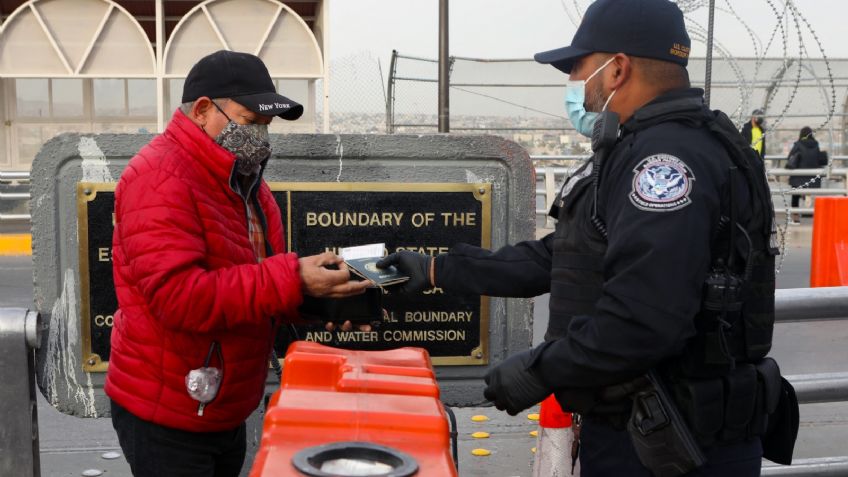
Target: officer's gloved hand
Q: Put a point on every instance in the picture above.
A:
(412, 264)
(513, 385)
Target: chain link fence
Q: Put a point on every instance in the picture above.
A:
(515, 98)
(357, 96)
(524, 101)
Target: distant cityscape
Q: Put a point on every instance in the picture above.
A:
(542, 136)
(539, 136)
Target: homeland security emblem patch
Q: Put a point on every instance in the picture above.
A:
(661, 183)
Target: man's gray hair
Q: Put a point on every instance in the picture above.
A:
(186, 107)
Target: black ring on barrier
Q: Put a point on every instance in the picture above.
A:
(309, 460)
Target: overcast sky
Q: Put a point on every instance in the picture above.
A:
(519, 28)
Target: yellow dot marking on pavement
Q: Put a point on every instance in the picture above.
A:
(533, 450)
(480, 435)
(479, 418)
(534, 433)
(533, 417)
(481, 452)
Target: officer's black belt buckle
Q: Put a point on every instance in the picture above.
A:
(653, 416)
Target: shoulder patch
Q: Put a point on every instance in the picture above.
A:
(661, 183)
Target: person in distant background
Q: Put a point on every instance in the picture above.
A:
(805, 154)
(754, 132)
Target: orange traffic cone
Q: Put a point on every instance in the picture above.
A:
(554, 442)
(829, 262)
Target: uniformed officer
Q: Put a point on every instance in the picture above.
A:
(660, 259)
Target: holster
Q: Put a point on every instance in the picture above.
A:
(661, 438)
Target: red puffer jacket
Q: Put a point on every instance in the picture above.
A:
(185, 276)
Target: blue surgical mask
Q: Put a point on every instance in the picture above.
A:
(575, 99)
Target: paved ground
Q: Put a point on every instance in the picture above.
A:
(70, 445)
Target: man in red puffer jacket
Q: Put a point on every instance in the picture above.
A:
(201, 275)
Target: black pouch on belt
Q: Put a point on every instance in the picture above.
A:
(740, 389)
(768, 395)
(781, 405)
(701, 402)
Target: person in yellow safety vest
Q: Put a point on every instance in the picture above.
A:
(754, 132)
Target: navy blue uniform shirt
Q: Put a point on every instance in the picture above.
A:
(661, 193)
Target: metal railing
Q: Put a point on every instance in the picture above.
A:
(814, 304)
(19, 177)
(811, 304)
(549, 175)
(14, 195)
(9, 176)
(552, 174)
(15, 217)
(825, 466)
(20, 327)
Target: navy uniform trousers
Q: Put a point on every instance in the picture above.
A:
(607, 452)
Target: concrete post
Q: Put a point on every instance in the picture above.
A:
(19, 336)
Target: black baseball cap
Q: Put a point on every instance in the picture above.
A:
(646, 28)
(241, 77)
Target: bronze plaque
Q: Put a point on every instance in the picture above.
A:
(424, 217)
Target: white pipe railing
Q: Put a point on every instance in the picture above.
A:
(790, 305)
(14, 176)
(14, 195)
(821, 467)
(550, 174)
(544, 170)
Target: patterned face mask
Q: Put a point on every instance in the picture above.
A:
(248, 142)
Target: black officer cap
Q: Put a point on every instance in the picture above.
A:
(647, 28)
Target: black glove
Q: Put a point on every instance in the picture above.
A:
(412, 264)
(513, 385)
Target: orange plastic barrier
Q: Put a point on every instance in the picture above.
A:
(829, 265)
(389, 398)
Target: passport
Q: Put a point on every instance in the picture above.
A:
(366, 267)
